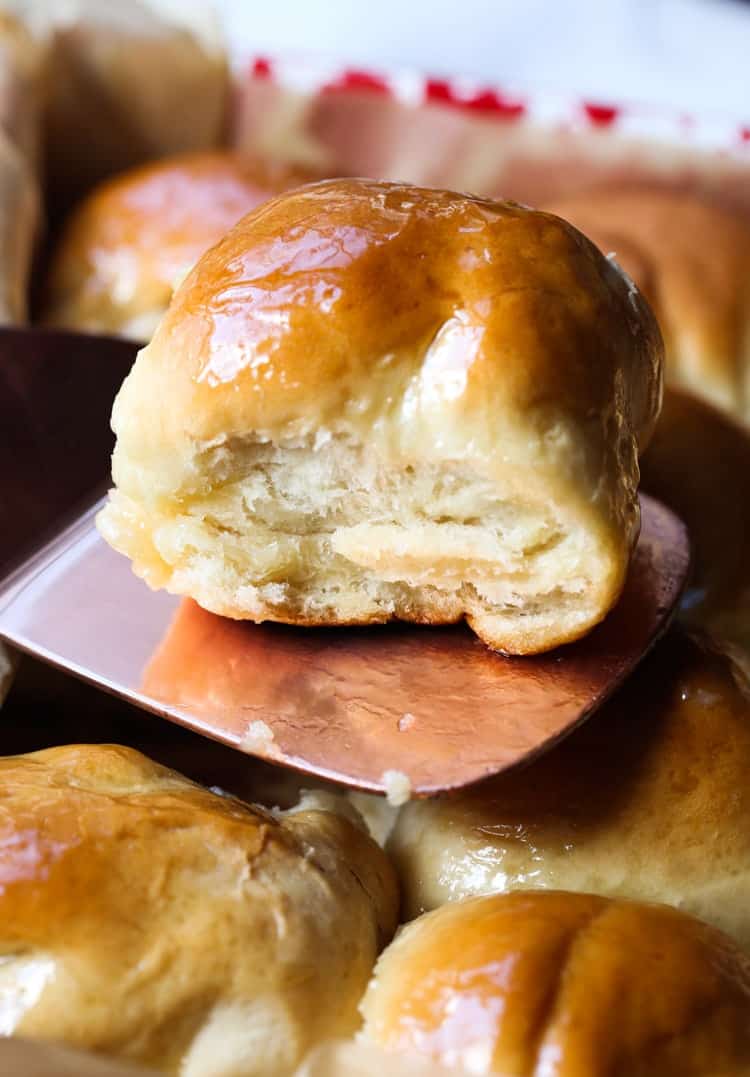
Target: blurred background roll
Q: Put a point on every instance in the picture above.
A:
(130, 241)
(691, 259)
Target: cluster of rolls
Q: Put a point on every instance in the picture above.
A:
(359, 402)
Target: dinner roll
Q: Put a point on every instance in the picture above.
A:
(648, 800)
(131, 240)
(536, 984)
(374, 401)
(698, 463)
(691, 258)
(146, 918)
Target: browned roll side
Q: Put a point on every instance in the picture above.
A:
(647, 800)
(145, 918)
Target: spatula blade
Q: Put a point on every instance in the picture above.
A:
(353, 705)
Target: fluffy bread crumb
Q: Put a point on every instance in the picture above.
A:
(334, 536)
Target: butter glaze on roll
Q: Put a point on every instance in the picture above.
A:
(146, 918)
(564, 985)
(372, 401)
(133, 238)
(691, 259)
(647, 800)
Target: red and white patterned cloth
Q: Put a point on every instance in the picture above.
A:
(480, 137)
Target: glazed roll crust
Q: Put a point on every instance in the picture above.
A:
(388, 402)
(145, 918)
(534, 983)
(646, 801)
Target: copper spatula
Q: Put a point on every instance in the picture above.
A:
(431, 706)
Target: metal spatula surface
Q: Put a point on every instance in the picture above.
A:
(359, 706)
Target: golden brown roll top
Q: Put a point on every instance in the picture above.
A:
(386, 401)
(691, 259)
(574, 985)
(146, 918)
(648, 800)
(131, 240)
(286, 325)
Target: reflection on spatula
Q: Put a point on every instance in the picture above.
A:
(427, 709)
